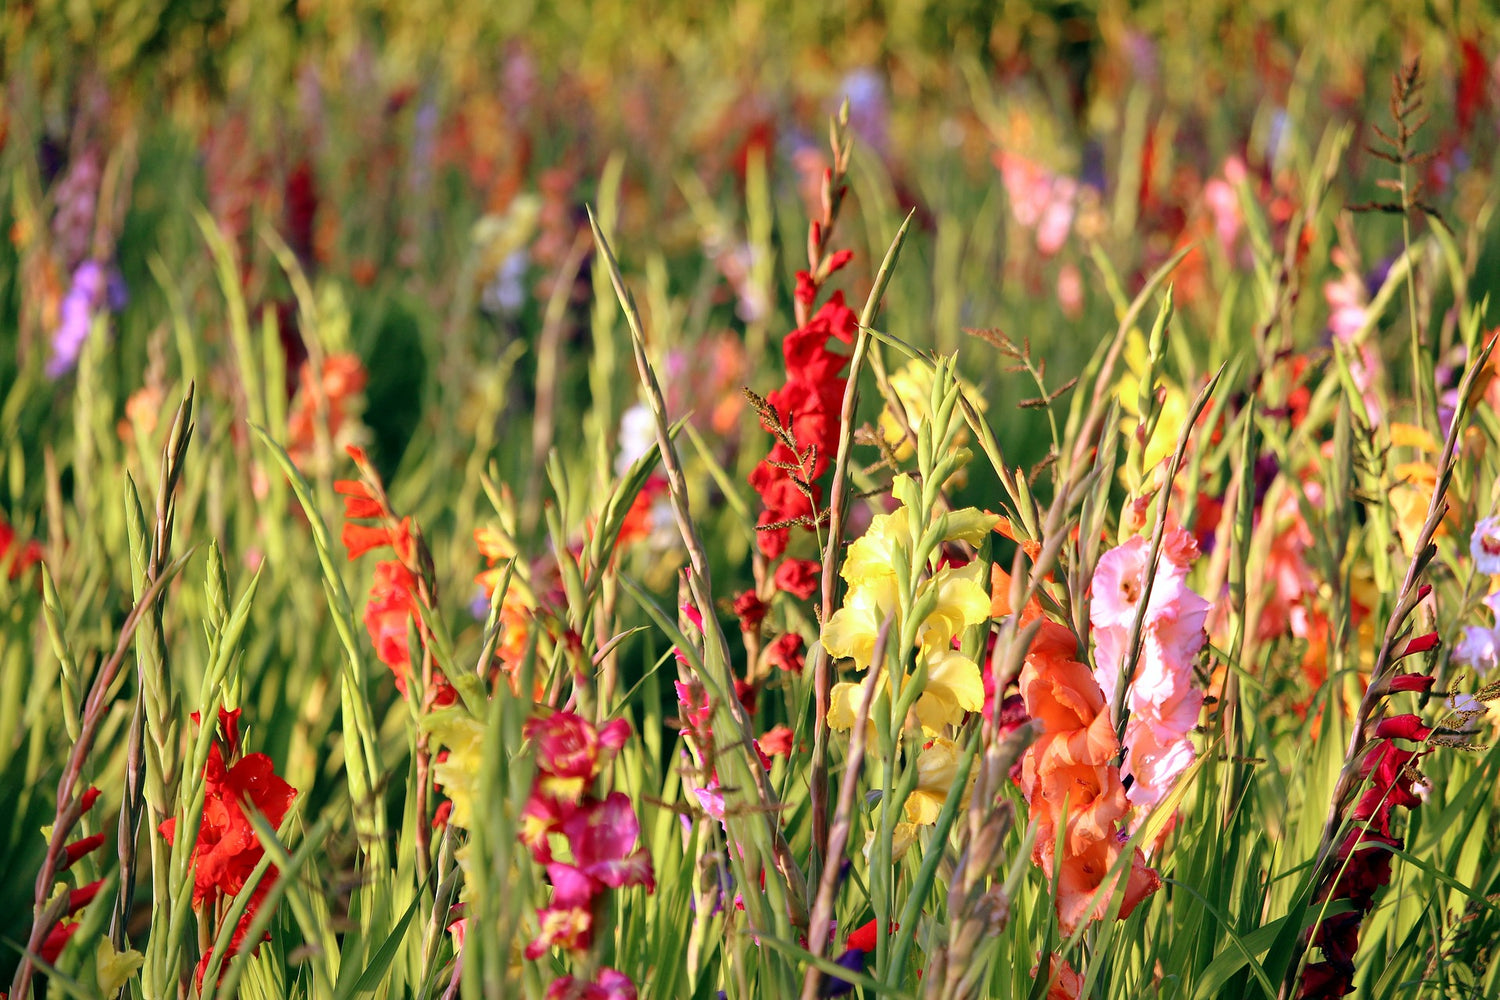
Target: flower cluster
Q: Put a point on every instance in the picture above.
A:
(804, 416)
(226, 849)
(958, 596)
(608, 985)
(1362, 861)
(58, 936)
(339, 387)
(1163, 702)
(563, 819)
(396, 594)
(1070, 781)
(517, 605)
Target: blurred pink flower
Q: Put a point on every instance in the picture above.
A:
(610, 985)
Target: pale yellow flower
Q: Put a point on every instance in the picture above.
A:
(962, 600)
(937, 769)
(913, 387)
(459, 773)
(1173, 409)
(954, 686)
(850, 631)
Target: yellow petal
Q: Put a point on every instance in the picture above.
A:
(850, 631)
(970, 525)
(962, 601)
(954, 686)
(922, 807)
(114, 968)
(842, 705)
(1411, 436)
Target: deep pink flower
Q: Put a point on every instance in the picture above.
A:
(695, 711)
(603, 837)
(567, 745)
(610, 985)
(568, 928)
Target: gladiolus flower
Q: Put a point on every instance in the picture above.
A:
(786, 653)
(1402, 727)
(56, 940)
(603, 837)
(1484, 546)
(776, 742)
(750, 610)
(609, 985)
(1412, 682)
(568, 751)
(1163, 700)
(1070, 766)
(798, 577)
(19, 558)
(1418, 644)
(227, 849)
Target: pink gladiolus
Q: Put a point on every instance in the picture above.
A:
(1163, 701)
(610, 985)
(603, 838)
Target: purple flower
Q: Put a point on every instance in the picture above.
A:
(88, 293)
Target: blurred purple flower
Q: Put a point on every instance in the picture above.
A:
(76, 197)
(869, 110)
(93, 289)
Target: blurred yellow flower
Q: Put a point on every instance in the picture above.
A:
(913, 387)
(1174, 404)
(463, 736)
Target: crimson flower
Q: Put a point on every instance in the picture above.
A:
(798, 577)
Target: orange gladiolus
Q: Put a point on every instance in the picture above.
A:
(1070, 777)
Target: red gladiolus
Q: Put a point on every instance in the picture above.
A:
(808, 407)
(862, 938)
(775, 742)
(786, 653)
(1361, 865)
(57, 940)
(227, 849)
(1412, 682)
(750, 610)
(78, 848)
(81, 897)
(1403, 727)
(798, 577)
(20, 558)
(1419, 644)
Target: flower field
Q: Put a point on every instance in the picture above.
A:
(605, 501)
